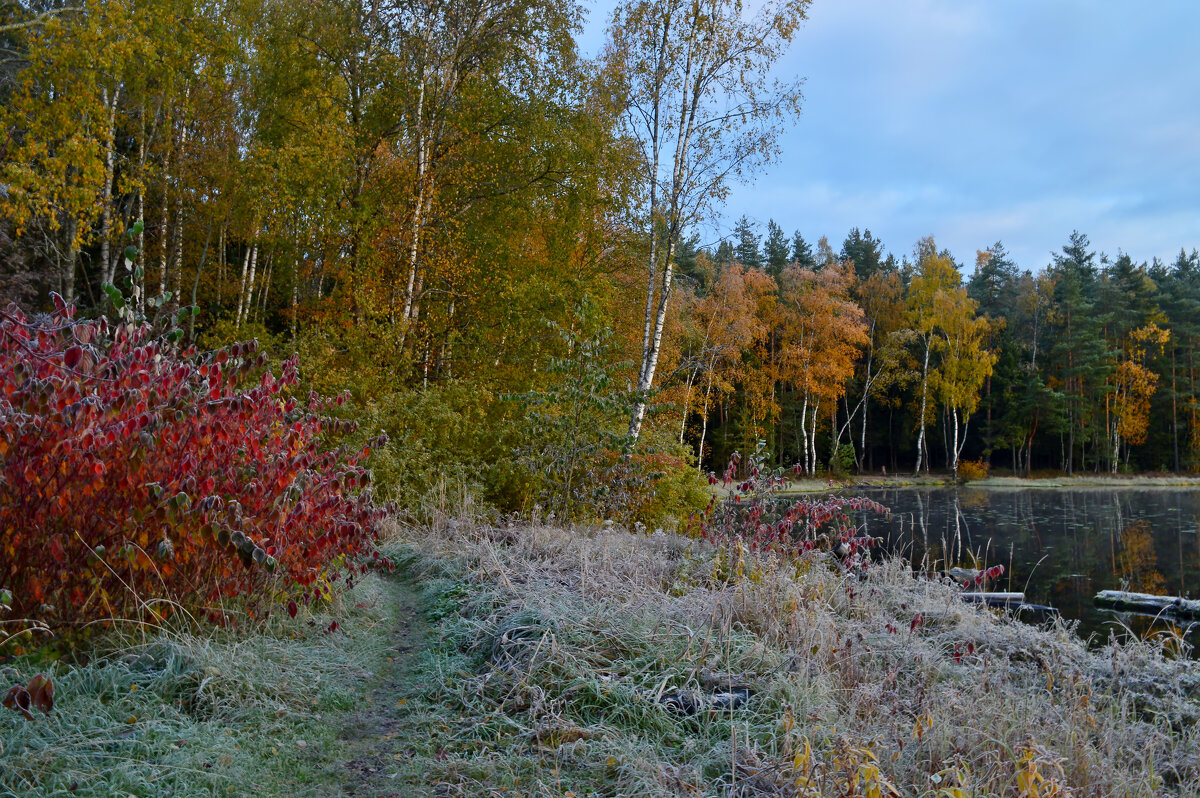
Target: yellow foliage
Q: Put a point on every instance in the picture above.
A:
(970, 470)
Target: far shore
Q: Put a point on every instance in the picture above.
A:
(994, 482)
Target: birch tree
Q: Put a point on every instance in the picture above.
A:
(702, 111)
(936, 273)
(965, 363)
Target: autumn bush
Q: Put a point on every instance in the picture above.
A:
(971, 470)
(753, 517)
(138, 477)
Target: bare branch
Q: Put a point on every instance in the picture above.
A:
(40, 19)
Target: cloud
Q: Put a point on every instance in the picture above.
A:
(978, 120)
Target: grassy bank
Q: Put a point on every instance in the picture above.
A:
(594, 663)
(556, 662)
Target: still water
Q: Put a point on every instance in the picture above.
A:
(1058, 546)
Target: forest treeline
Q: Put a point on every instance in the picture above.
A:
(1085, 365)
(486, 239)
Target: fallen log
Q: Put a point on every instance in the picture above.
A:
(994, 599)
(1008, 601)
(1149, 603)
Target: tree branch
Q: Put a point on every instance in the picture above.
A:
(40, 19)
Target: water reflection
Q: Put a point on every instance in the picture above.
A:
(1058, 546)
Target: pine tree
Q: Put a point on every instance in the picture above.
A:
(993, 285)
(775, 248)
(865, 251)
(724, 254)
(802, 252)
(745, 245)
(1079, 357)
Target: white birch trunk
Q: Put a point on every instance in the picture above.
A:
(237, 319)
(108, 264)
(163, 242)
(812, 443)
(414, 248)
(804, 433)
(249, 304)
(954, 448)
(924, 400)
(704, 423)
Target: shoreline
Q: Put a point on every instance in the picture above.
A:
(874, 482)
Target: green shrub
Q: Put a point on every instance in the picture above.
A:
(842, 464)
(447, 443)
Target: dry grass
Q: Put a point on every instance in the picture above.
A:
(562, 644)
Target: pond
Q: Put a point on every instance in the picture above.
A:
(1059, 546)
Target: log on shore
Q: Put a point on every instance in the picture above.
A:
(1008, 601)
(994, 599)
(1149, 603)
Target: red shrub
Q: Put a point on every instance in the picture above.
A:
(754, 513)
(131, 471)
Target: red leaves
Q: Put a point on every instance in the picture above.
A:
(38, 694)
(984, 576)
(762, 521)
(56, 549)
(292, 609)
(72, 356)
(108, 459)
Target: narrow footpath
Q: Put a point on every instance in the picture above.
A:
(377, 754)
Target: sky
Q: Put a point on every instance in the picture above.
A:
(978, 121)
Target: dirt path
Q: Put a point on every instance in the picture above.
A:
(377, 753)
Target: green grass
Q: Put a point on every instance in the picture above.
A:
(186, 715)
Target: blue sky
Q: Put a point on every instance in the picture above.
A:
(985, 120)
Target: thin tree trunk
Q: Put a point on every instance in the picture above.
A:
(177, 256)
(196, 283)
(687, 401)
(249, 299)
(957, 450)
(1174, 413)
(804, 433)
(139, 284)
(67, 268)
(924, 400)
(414, 249)
(163, 241)
(237, 319)
(108, 264)
(266, 290)
(295, 297)
(812, 443)
(704, 423)
(646, 381)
